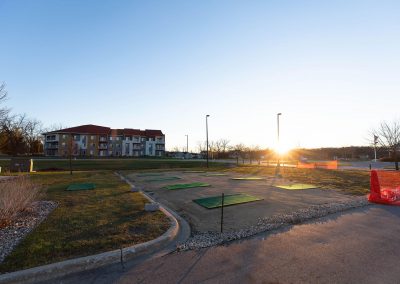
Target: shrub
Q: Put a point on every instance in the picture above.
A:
(16, 195)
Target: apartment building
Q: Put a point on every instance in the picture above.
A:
(99, 141)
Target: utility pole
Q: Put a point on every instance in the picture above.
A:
(187, 143)
(277, 171)
(207, 135)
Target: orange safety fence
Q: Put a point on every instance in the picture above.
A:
(301, 165)
(385, 187)
(331, 165)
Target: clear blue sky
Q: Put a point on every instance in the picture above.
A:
(331, 67)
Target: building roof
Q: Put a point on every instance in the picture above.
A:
(131, 131)
(102, 130)
(87, 129)
(153, 133)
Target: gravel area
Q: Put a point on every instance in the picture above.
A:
(208, 239)
(25, 222)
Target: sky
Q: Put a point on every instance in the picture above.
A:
(331, 68)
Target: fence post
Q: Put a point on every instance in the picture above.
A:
(222, 212)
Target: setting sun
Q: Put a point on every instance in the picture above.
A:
(282, 148)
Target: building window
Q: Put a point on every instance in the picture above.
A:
(92, 137)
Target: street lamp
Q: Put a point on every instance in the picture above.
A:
(277, 172)
(207, 135)
(187, 143)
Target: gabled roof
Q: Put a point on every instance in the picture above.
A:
(87, 129)
(131, 131)
(153, 133)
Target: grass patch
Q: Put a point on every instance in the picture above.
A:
(194, 172)
(352, 182)
(186, 185)
(231, 199)
(112, 164)
(86, 222)
(162, 179)
(81, 186)
(297, 186)
(215, 175)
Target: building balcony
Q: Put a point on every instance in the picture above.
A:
(102, 147)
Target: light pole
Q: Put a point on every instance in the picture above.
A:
(277, 172)
(207, 135)
(187, 143)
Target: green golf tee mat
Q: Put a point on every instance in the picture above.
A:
(81, 186)
(297, 186)
(186, 185)
(231, 199)
(248, 178)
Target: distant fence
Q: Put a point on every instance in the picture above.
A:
(330, 165)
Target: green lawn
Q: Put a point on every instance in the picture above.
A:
(351, 182)
(86, 222)
(112, 164)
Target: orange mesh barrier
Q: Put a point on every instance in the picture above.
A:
(331, 165)
(301, 165)
(385, 187)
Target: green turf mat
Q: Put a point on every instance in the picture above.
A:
(231, 199)
(249, 178)
(162, 179)
(81, 186)
(150, 174)
(297, 186)
(215, 175)
(186, 185)
(194, 172)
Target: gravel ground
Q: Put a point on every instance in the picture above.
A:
(208, 239)
(25, 222)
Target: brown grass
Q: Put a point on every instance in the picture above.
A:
(16, 195)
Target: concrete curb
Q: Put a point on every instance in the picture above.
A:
(63, 268)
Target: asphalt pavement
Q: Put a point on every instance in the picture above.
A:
(357, 246)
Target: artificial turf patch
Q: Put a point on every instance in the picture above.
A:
(186, 185)
(249, 178)
(150, 174)
(162, 179)
(231, 199)
(81, 186)
(297, 186)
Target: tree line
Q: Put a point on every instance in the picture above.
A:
(19, 134)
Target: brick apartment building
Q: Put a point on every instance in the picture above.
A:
(99, 141)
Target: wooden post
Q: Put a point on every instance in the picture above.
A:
(222, 212)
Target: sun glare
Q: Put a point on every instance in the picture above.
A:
(282, 149)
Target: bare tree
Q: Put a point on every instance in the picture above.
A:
(388, 137)
(224, 144)
(4, 111)
(238, 150)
